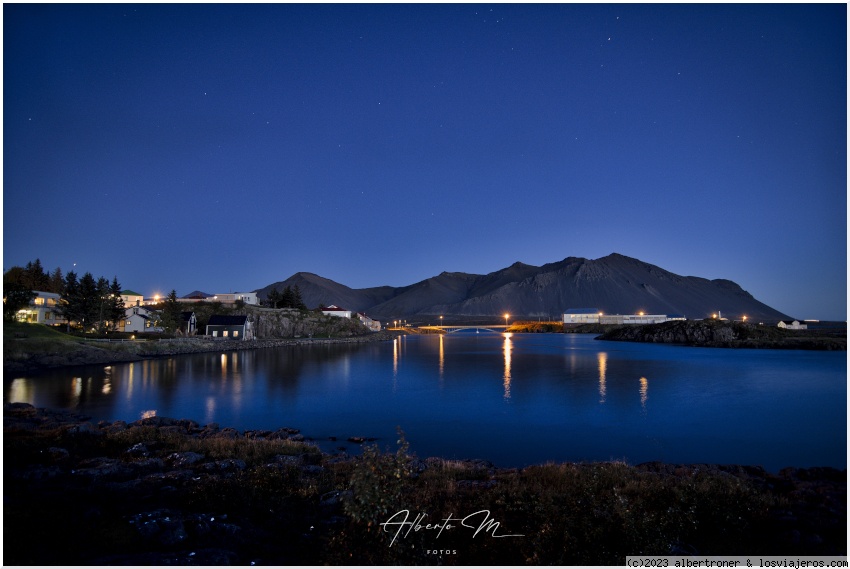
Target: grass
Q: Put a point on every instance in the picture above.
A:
(566, 514)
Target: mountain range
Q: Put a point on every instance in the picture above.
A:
(614, 284)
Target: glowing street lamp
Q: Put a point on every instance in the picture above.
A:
(506, 319)
(441, 321)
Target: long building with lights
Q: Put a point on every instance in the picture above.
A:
(577, 316)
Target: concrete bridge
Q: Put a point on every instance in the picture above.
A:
(447, 329)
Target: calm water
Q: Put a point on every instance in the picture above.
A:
(512, 400)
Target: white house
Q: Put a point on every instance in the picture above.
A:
(334, 310)
(792, 325)
(140, 319)
(43, 309)
(372, 325)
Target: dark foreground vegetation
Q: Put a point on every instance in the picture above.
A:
(164, 491)
(725, 334)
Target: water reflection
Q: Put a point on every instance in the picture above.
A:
(602, 361)
(554, 388)
(508, 346)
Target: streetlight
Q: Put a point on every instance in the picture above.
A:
(506, 319)
(441, 320)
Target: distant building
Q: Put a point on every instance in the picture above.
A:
(232, 327)
(582, 316)
(792, 325)
(334, 310)
(43, 309)
(225, 298)
(577, 316)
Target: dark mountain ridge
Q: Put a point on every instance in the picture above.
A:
(614, 284)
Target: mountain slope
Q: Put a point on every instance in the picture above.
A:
(614, 284)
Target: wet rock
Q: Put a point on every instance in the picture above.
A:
(182, 459)
(226, 465)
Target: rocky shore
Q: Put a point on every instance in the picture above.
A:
(724, 334)
(26, 355)
(163, 491)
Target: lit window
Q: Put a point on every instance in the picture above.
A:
(224, 333)
(236, 333)
(38, 301)
(215, 333)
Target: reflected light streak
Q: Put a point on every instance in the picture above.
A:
(602, 357)
(644, 389)
(507, 380)
(19, 392)
(442, 356)
(210, 410)
(76, 389)
(224, 367)
(130, 377)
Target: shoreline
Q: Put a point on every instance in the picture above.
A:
(170, 491)
(92, 352)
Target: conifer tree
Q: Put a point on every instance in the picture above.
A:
(171, 313)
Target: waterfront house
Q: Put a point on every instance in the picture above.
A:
(43, 309)
(230, 326)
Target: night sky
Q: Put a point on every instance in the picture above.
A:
(226, 147)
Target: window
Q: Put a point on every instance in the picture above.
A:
(38, 301)
(128, 323)
(236, 333)
(215, 333)
(224, 333)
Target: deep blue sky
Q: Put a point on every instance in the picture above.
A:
(226, 147)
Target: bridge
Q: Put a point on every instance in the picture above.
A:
(447, 329)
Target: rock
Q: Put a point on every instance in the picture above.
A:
(181, 459)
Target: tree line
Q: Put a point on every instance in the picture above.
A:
(289, 298)
(88, 302)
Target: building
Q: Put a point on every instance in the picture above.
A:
(575, 316)
(43, 309)
(582, 316)
(334, 310)
(225, 298)
(132, 298)
(231, 327)
(372, 325)
(140, 319)
(792, 325)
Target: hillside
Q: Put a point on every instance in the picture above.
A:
(614, 284)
